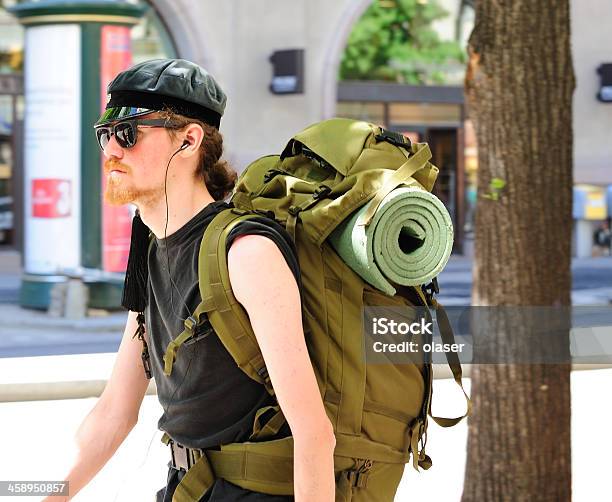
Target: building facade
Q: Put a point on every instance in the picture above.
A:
(224, 38)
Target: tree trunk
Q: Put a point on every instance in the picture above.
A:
(519, 90)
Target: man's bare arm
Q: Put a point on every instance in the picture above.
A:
(263, 283)
(113, 416)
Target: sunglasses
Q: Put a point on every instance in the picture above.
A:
(126, 131)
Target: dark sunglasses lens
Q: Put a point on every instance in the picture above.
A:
(126, 135)
(103, 134)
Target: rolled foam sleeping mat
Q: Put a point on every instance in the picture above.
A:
(408, 241)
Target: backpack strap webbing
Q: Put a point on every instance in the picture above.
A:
(265, 467)
(226, 315)
(263, 429)
(196, 481)
(446, 332)
(293, 214)
(190, 324)
(417, 161)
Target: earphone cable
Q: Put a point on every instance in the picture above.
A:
(173, 285)
(166, 245)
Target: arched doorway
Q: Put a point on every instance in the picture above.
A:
(352, 12)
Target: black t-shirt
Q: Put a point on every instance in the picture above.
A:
(207, 400)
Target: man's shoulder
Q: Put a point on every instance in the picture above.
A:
(262, 226)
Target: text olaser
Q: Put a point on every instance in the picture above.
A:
(414, 347)
(384, 326)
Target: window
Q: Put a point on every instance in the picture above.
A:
(370, 112)
(11, 40)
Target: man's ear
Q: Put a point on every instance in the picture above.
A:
(193, 137)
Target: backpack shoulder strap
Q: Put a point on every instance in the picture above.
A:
(227, 317)
(446, 333)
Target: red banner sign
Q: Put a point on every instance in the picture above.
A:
(115, 56)
(51, 198)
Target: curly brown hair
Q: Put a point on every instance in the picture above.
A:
(218, 175)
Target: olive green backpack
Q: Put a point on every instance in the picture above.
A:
(379, 412)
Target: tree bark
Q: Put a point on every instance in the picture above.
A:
(519, 88)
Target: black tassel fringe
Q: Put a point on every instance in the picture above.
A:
(137, 273)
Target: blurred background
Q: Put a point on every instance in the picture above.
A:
(398, 63)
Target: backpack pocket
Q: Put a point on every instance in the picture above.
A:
(345, 364)
(361, 480)
(395, 385)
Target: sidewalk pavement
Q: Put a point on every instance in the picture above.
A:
(28, 332)
(39, 437)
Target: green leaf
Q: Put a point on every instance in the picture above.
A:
(497, 184)
(392, 36)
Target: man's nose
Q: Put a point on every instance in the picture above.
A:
(113, 149)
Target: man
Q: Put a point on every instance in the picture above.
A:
(160, 139)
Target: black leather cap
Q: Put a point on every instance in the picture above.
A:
(178, 84)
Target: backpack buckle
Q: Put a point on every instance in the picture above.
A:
(183, 457)
(199, 332)
(395, 138)
(263, 373)
(294, 210)
(358, 477)
(190, 323)
(431, 289)
(321, 191)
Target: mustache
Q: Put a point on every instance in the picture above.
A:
(113, 165)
